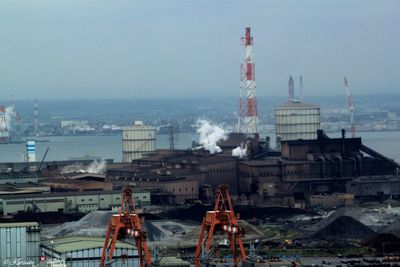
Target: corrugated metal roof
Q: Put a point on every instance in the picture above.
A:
(65, 194)
(75, 243)
(18, 224)
(173, 261)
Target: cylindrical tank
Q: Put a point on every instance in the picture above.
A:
(297, 120)
(137, 140)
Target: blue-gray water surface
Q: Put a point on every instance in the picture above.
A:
(110, 147)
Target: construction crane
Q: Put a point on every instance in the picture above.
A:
(221, 218)
(350, 104)
(126, 224)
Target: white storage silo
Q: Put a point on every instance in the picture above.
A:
(137, 140)
(297, 120)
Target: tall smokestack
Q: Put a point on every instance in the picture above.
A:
(248, 115)
(291, 89)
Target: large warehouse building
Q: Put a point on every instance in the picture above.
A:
(85, 201)
(78, 251)
(19, 241)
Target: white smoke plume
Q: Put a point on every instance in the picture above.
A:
(10, 116)
(240, 152)
(97, 166)
(210, 135)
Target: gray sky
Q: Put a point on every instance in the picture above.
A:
(170, 48)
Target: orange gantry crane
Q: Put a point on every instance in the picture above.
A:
(221, 218)
(126, 224)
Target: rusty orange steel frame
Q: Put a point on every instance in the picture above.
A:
(222, 217)
(126, 224)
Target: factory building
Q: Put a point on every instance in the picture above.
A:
(86, 251)
(307, 167)
(23, 188)
(332, 200)
(168, 186)
(302, 168)
(66, 185)
(19, 170)
(18, 178)
(375, 187)
(19, 242)
(137, 141)
(179, 173)
(77, 182)
(177, 188)
(85, 201)
(297, 120)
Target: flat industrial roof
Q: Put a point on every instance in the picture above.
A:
(76, 243)
(18, 224)
(69, 181)
(63, 194)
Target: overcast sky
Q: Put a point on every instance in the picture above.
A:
(177, 48)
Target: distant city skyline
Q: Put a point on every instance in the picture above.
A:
(71, 49)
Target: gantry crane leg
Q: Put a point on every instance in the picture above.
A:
(210, 237)
(225, 219)
(128, 224)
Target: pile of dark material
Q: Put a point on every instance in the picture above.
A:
(44, 217)
(393, 228)
(384, 243)
(270, 213)
(344, 227)
(196, 212)
(153, 234)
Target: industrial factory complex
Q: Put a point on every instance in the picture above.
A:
(291, 177)
(305, 165)
(306, 172)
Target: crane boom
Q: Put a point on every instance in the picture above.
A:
(350, 103)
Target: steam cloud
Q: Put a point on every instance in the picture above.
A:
(240, 152)
(97, 166)
(10, 115)
(210, 135)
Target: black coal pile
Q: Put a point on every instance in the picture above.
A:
(153, 234)
(344, 227)
(393, 228)
(197, 211)
(44, 217)
(384, 243)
